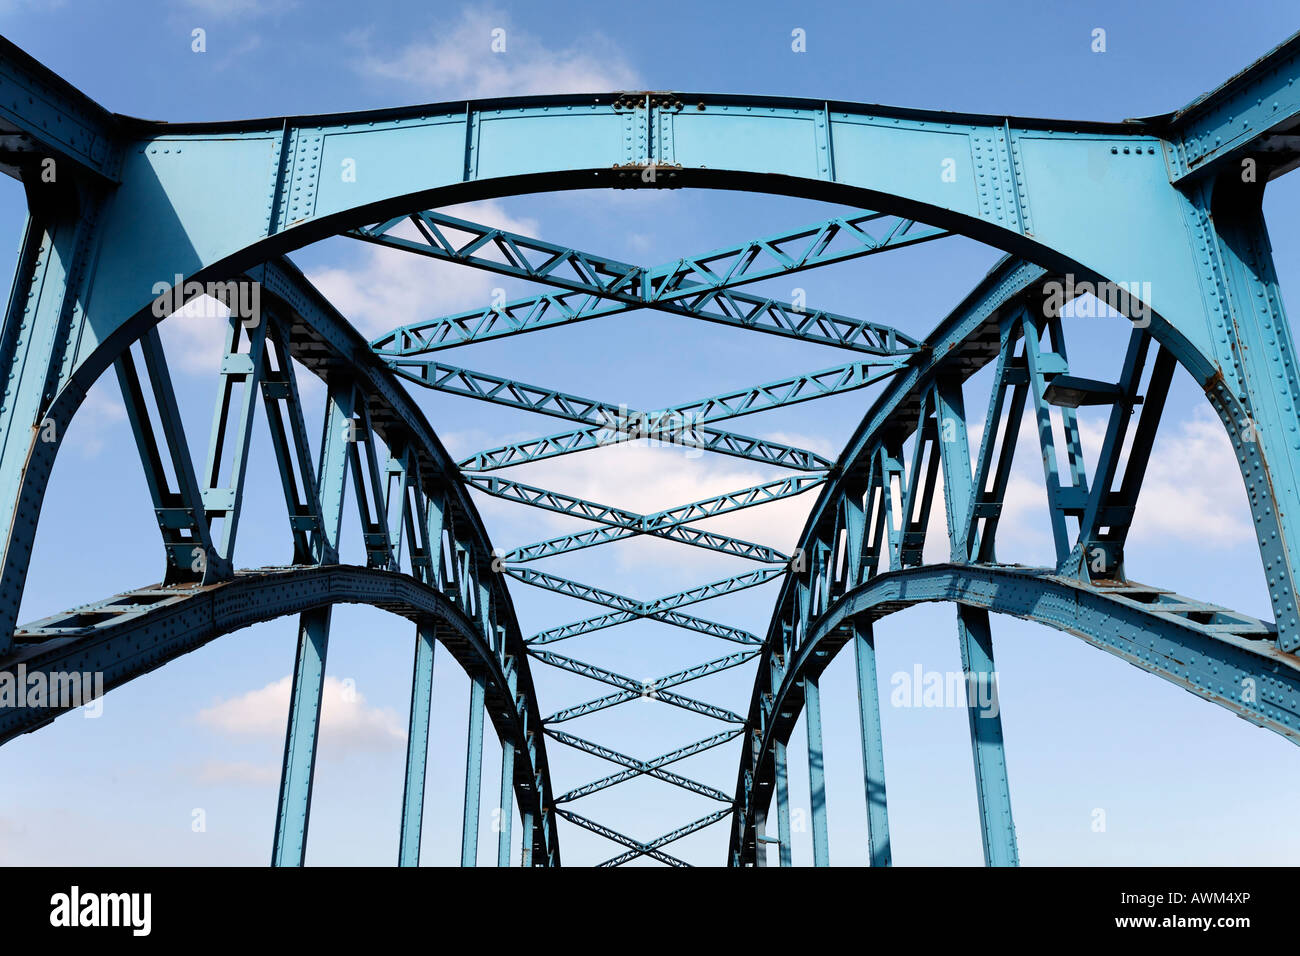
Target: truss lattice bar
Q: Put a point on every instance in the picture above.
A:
(682, 424)
(681, 753)
(687, 436)
(685, 621)
(1175, 199)
(631, 688)
(641, 766)
(616, 837)
(597, 286)
(649, 523)
(685, 534)
(668, 838)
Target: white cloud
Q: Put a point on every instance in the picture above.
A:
(818, 443)
(645, 479)
(347, 722)
(194, 336)
(236, 772)
(11, 7)
(459, 62)
(101, 412)
(391, 287)
(1192, 491)
(238, 9)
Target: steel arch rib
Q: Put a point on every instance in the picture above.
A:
(1162, 633)
(140, 631)
(1169, 218)
(304, 213)
(1209, 662)
(321, 340)
(1158, 226)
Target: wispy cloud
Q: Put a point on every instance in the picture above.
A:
(194, 336)
(1193, 489)
(1192, 492)
(239, 772)
(239, 9)
(645, 478)
(460, 62)
(348, 723)
(11, 7)
(101, 411)
(391, 287)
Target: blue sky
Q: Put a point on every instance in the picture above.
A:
(1179, 780)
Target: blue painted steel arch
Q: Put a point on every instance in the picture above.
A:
(128, 635)
(834, 598)
(1120, 621)
(131, 634)
(1158, 201)
(1097, 200)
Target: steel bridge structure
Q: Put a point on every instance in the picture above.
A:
(1160, 217)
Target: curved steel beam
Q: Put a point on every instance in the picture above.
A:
(1207, 649)
(204, 189)
(1214, 653)
(320, 339)
(136, 632)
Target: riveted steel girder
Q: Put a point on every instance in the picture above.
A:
(303, 329)
(1254, 115)
(213, 171)
(1221, 656)
(1159, 201)
(44, 117)
(133, 633)
(920, 406)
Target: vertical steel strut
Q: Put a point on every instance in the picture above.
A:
(301, 738)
